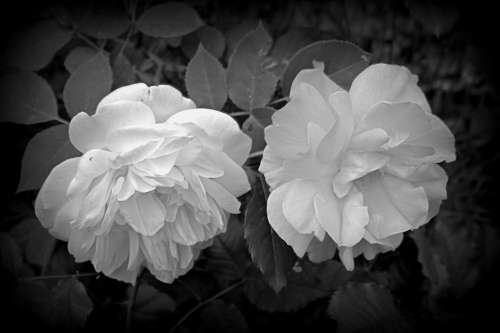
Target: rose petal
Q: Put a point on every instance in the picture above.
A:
(316, 78)
(385, 83)
(218, 125)
(299, 242)
(298, 205)
(91, 132)
(52, 197)
(144, 212)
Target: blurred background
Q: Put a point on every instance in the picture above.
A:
(442, 277)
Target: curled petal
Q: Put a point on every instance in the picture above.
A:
(52, 197)
(385, 83)
(317, 78)
(299, 242)
(218, 125)
(91, 132)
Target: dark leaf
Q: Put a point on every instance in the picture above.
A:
(263, 115)
(212, 40)
(45, 150)
(71, 305)
(250, 84)
(151, 303)
(11, 260)
(102, 22)
(206, 80)
(269, 252)
(436, 18)
(366, 307)
(221, 317)
(170, 19)
(255, 131)
(87, 85)
(228, 258)
(343, 62)
(26, 99)
(237, 32)
(78, 56)
(36, 241)
(34, 47)
(306, 282)
(123, 71)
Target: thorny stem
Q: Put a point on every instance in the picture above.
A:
(205, 302)
(130, 307)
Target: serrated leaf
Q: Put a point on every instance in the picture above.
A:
(343, 62)
(170, 19)
(36, 241)
(269, 252)
(250, 84)
(221, 317)
(71, 305)
(212, 40)
(34, 47)
(255, 131)
(228, 258)
(78, 56)
(102, 22)
(87, 85)
(366, 307)
(206, 80)
(306, 282)
(26, 99)
(44, 151)
(263, 115)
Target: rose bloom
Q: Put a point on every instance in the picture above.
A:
(354, 169)
(157, 180)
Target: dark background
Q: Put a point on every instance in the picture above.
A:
(459, 72)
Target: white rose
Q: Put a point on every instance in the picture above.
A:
(354, 169)
(157, 180)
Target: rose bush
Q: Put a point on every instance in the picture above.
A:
(354, 169)
(157, 180)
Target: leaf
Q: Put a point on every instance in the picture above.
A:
(212, 40)
(218, 316)
(123, 71)
(36, 241)
(71, 305)
(34, 47)
(151, 303)
(78, 56)
(228, 258)
(87, 85)
(269, 252)
(263, 115)
(250, 84)
(11, 260)
(44, 151)
(102, 22)
(343, 62)
(307, 282)
(287, 45)
(206, 80)
(255, 131)
(366, 307)
(449, 256)
(237, 32)
(170, 19)
(26, 99)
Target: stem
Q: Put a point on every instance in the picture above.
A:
(205, 302)
(62, 276)
(87, 40)
(283, 99)
(130, 307)
(239, 113)
(256, 154)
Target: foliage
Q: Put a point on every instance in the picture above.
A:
(242, 61)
